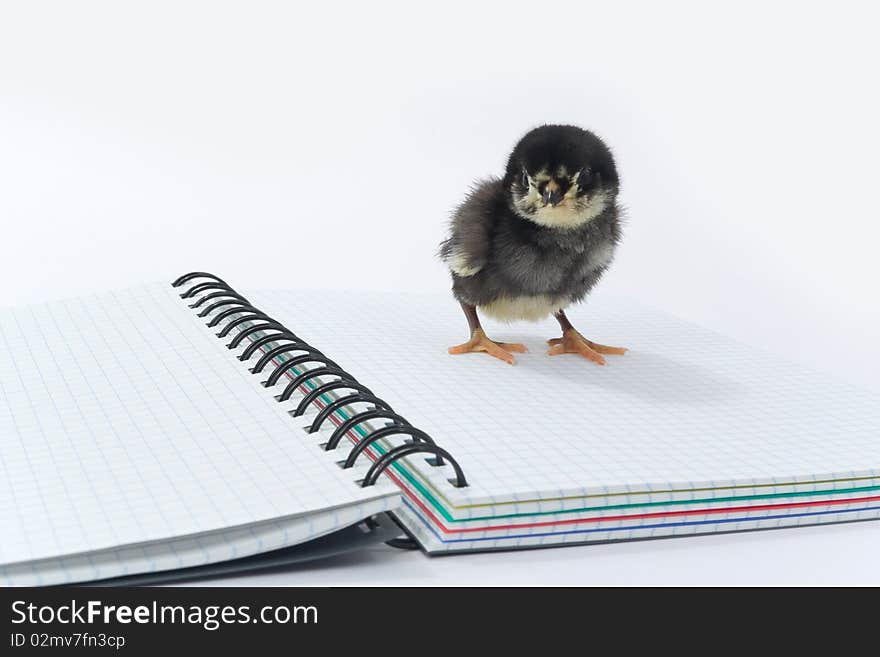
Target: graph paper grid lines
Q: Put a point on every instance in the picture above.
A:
(122, 423)
(686, 416)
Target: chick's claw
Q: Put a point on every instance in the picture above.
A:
(572, 342)
(479, 342)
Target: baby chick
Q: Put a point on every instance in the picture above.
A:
(534, 242)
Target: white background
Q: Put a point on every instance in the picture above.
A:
(324, 145)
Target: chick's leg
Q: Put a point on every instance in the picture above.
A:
(572, 342)
(479, 341)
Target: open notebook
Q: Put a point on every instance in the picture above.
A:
(135, 434)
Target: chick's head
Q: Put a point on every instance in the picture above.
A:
(561, 176)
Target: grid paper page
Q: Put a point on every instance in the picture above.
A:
(188, 551)
(684, 409)
(123, 420)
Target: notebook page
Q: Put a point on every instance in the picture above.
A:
(123, 420)
(685, 408)
(188, 551)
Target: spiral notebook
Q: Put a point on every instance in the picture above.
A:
(186, 429)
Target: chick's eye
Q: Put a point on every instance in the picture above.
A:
(525, 180)
(585, 177)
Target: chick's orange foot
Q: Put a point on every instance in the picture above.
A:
(479, 342)
(572, 342)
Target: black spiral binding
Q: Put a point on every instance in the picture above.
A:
(262, 331)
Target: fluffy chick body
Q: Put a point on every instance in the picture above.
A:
(517, 259)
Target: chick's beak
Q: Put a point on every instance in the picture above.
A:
(552, 194)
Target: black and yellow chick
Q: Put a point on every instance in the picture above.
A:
(534, 242)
